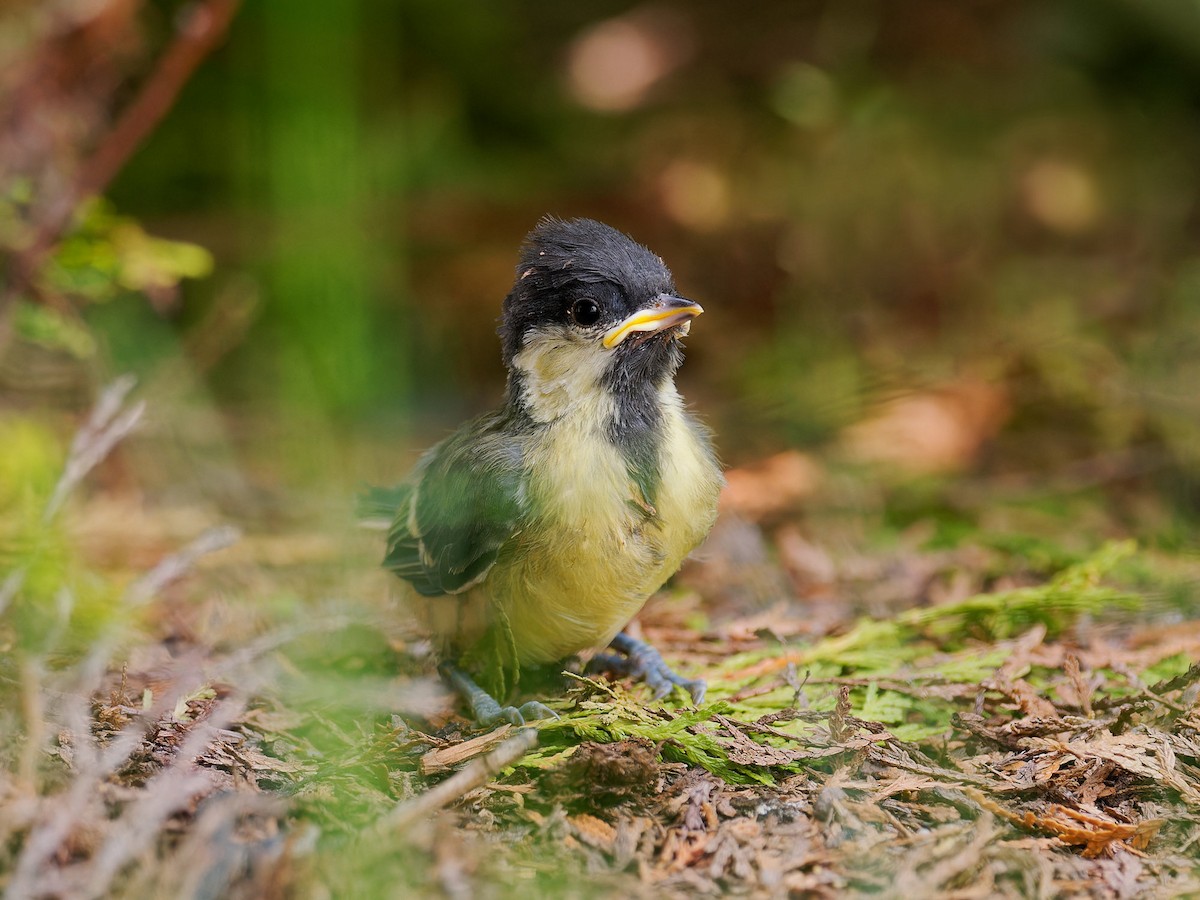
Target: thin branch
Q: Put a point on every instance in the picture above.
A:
(95, 764)
(165, 794)
(474, 775)
(201, 28)
(33, 714)
(107, 424)
(144, 589)
(175, 566)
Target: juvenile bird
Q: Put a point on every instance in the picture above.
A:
(539, 530)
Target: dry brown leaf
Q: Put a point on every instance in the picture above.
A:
(682, 849)
(442, 759)
(1025, 695)
(810, 566)
(936, 431)
(224, 754)
(840, 726)
(1083, 690)
(594, 832)
(1148, 755)
(903, 783)
(748, 752)
(1150, 646)
(778, 484)
(1021, 653)
(1096, 834)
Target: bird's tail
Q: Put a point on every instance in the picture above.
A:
(376, 506)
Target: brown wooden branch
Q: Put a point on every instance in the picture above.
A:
(475, 774)
(202, 28)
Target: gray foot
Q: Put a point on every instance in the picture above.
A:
(516, 715)
(643, 662)
(485, 709)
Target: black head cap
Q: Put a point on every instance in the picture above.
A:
(563, 260)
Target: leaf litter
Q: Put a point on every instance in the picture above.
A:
(1031, 739)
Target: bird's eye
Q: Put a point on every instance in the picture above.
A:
(585, 312)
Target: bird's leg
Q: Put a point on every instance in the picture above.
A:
(485, 709)
(643, 662)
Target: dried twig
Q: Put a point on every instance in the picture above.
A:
(201, 28)
(33, 714)
(167, 793)
(93, 767)
(175, 566)
(107, 424)
(474, 775)
(213, 860)
(442, 759)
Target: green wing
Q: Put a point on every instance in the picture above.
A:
(467, 499)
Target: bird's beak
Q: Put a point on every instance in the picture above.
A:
(666, 312)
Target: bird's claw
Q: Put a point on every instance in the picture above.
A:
(661, 678)
(644, 663)
(485, 709)
(492, 713)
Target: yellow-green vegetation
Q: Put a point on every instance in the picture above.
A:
(51, 606)
(913, 674)
(951, 731)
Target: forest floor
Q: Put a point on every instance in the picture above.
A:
(890, 718)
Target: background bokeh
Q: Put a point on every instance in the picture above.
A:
(942, 239)
(949, 253)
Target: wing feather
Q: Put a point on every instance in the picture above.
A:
(466, 501)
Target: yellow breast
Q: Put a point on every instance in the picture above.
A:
(597, 551)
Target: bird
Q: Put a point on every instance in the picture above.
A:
(538, 531)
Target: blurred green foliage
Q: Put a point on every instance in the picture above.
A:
(107, 254)
(52, 607)
(870, 202)
(51, 329)
(873, 201)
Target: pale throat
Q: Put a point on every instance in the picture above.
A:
(561, 376)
